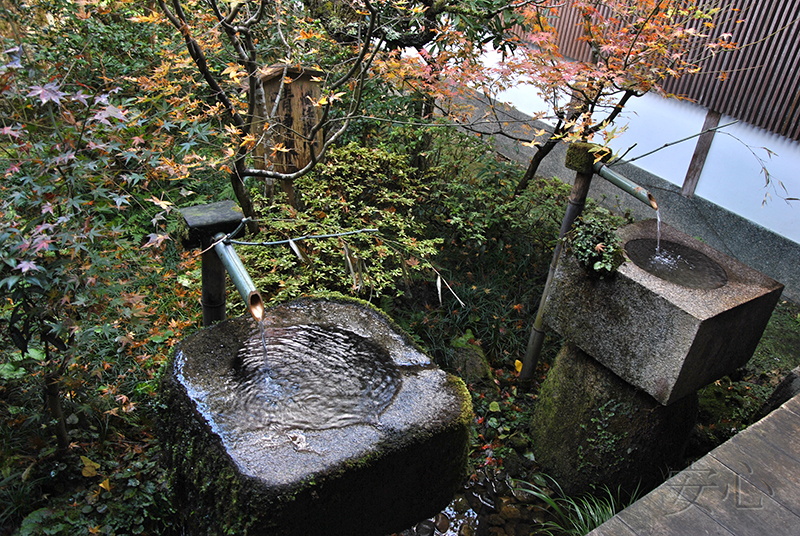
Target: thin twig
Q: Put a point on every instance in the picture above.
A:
(668, 144)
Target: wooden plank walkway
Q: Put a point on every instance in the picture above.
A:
(748, 486)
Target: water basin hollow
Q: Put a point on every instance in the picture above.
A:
(296, 426)
(676, 263)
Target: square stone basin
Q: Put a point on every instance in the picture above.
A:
(666, 337)
(329, 421)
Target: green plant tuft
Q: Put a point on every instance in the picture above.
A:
(594, 243)
(574, 516)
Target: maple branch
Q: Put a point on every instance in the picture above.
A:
(618, 107)
(640, 29)
(359, 71)
(178, 20)
(359, 64)
(241, 40)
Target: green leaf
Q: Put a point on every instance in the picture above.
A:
(494, 406)
(10, 281)
(10, 372)
(162, 337)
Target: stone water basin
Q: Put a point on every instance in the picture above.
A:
(330, 421)
(668, 335)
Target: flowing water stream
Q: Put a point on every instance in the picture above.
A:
(658, 231)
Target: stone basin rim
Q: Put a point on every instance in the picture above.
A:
(744, 283)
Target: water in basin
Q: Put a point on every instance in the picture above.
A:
(303, 377)
(676, 263)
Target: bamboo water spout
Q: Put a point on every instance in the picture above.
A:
(238, 273)
(205, 224)
(621, 182)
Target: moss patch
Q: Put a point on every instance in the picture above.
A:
(591, 429)
(778, 352)
(579, 158)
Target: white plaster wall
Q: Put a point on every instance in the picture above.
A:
(732, 177)
(524, 97)
(651, 122)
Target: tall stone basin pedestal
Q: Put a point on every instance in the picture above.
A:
(665, 337)
(591, 429)
(377, 444)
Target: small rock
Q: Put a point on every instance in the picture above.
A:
(519, 443)
(442, 522)
(425, 528)
(785, 390)
(460, 504)
(513, 463)
(522, 496)
(477, 501)
(523, 529)
(496, 520)
(469, 361)
(466, 530)
(511, 512)
(504, 500)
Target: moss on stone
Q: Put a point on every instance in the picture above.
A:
(468, 360)
(466, 413)
(590, 429)
(579, 158)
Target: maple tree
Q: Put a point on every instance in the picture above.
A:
(635, 46)
(92, 170)
(345, 43)
(86, 189)
(254, 30)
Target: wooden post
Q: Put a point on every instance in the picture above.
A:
(700, 153)
(203, 223)
(287, 144)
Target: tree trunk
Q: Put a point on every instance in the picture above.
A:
(52, 395)
(243, 196)
(533, 166)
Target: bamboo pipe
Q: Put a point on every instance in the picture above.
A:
(577, 199)
(239, 276)
(626, 185)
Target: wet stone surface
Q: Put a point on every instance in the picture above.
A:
(308, 377)
(299, 424)
(676, 263)
(665, 338)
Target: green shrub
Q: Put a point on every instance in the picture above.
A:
(357, 188)
(594, 243)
